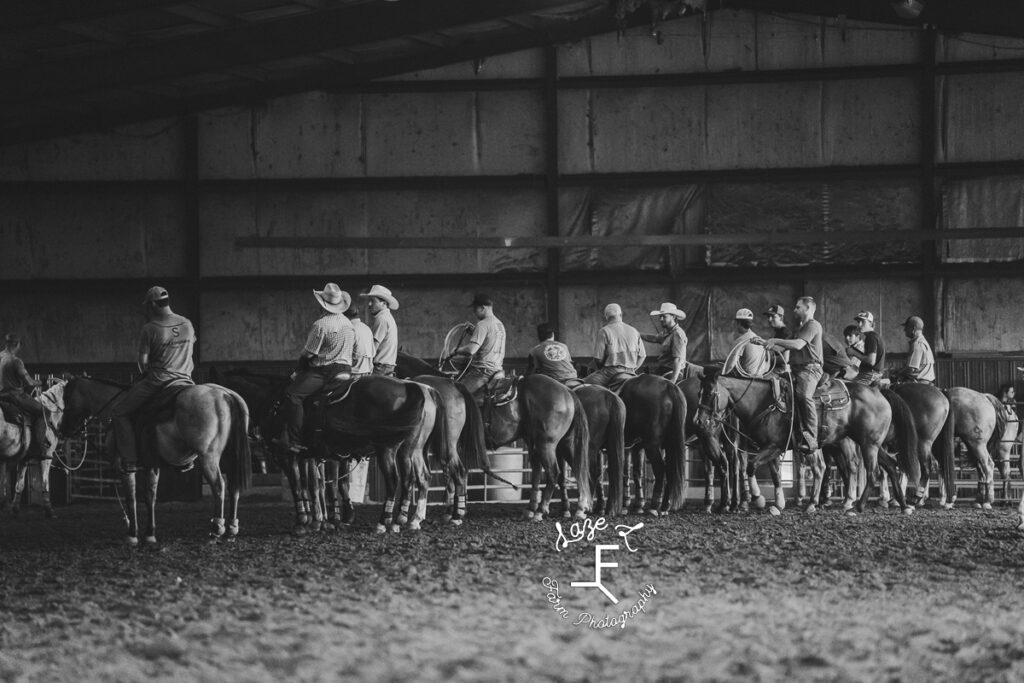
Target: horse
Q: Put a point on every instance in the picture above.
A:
(866, 420)
(208, 424)
(729, 469)
(390, 418)
(930, 409)
(552, 421)
(606, 419)
(14, 441)
(980, 421)
(656, 427)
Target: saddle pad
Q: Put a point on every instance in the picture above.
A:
(832, 395)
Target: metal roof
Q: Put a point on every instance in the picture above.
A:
(76, 65)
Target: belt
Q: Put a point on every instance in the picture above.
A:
(805, 365)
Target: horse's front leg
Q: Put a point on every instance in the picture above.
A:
(766, 454)
(152, 481)
(300, 494)
(20, 477)
(817, 467)
(44, 477)
(332, 495)
(130, 511)
(388, 467)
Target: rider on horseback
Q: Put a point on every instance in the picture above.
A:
(551, 358)
(872, 358)
(672, 339)
(327, 354)
(805, 358)
(15, 387)
(747, 359)
(619, 350)
(165, 357)
(485, 349)
(921, 362)
(362, 350)
(381, 302)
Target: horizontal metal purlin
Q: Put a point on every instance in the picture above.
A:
(612, 241)
(206, 285)
(470, 85)
(738, 175)
(739, 77)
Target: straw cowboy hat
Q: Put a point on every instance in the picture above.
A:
(333, 299)
(384, 294)
(670, 309)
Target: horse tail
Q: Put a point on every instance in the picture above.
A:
(238, 450)
(996, 439)
(944, 447)
(615, 445)
(675, 449)
(579, 433)
(471, 440)
(906, 436)
(439, 441)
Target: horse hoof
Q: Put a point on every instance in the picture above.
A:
(447, 519)
(883, 504)
(455, 521)
(986, 506)
(395, 528)
(537, 517)
(381, 529)
(150, 541)
(947, 506)
(977, 506)
(568, 515)
(581, 515)
(851, 513)
(909, 510)
(132, 541)
(50, 514)
(811, 507)
(775, 512)
(528, 515)
(300, 530)
(758, 503)
(414, 525)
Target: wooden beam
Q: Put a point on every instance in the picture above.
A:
(618, 241)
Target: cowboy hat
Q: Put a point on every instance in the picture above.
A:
(333, 299)
(670, 309)
(384, 294)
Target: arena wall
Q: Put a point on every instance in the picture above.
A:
(743, 125)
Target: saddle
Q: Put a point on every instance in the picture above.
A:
(503, 390)
(158, 409)
(832, 394)
(618, 379)
(12, 413)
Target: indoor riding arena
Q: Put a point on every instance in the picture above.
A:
(511, 340)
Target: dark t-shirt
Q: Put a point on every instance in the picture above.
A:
(872, 342)
(781, 333)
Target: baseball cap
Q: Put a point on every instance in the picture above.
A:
(865, 315)
(481, 300)
(155, 294)
(612, 309)
(744, 314)
(775, 309)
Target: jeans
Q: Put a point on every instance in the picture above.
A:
(606, 375)
(141, 393)
(805, 381)
(305, 384)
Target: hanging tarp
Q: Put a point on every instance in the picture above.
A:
(630, 211)
(886, 205)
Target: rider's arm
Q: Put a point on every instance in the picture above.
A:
(599, 349)
(652, 338)
(25, 377)
(794, 344)
(678, 357)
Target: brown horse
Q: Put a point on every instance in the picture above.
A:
(656, 427)
(390, 418)
(979, 420)
(208, 424)
(552, 421)
(866, 420)
(930, 408)
(14, 451)
(729, 470)
(606, 418)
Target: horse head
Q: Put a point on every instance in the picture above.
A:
(709, 400)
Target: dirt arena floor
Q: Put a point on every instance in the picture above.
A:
(879, 597)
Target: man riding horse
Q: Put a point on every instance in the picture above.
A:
(485, 350)
(326, 355)
(747, 358)
(164, 358)
(920, 365)
(551, 358)
(381, 302)
(15, 387)
(673, 341)
(872, 358)
(619, 351)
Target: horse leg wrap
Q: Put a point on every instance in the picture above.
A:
(218, 527)
(233, 527)
(460, 506)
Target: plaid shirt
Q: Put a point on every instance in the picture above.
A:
(330, 340)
